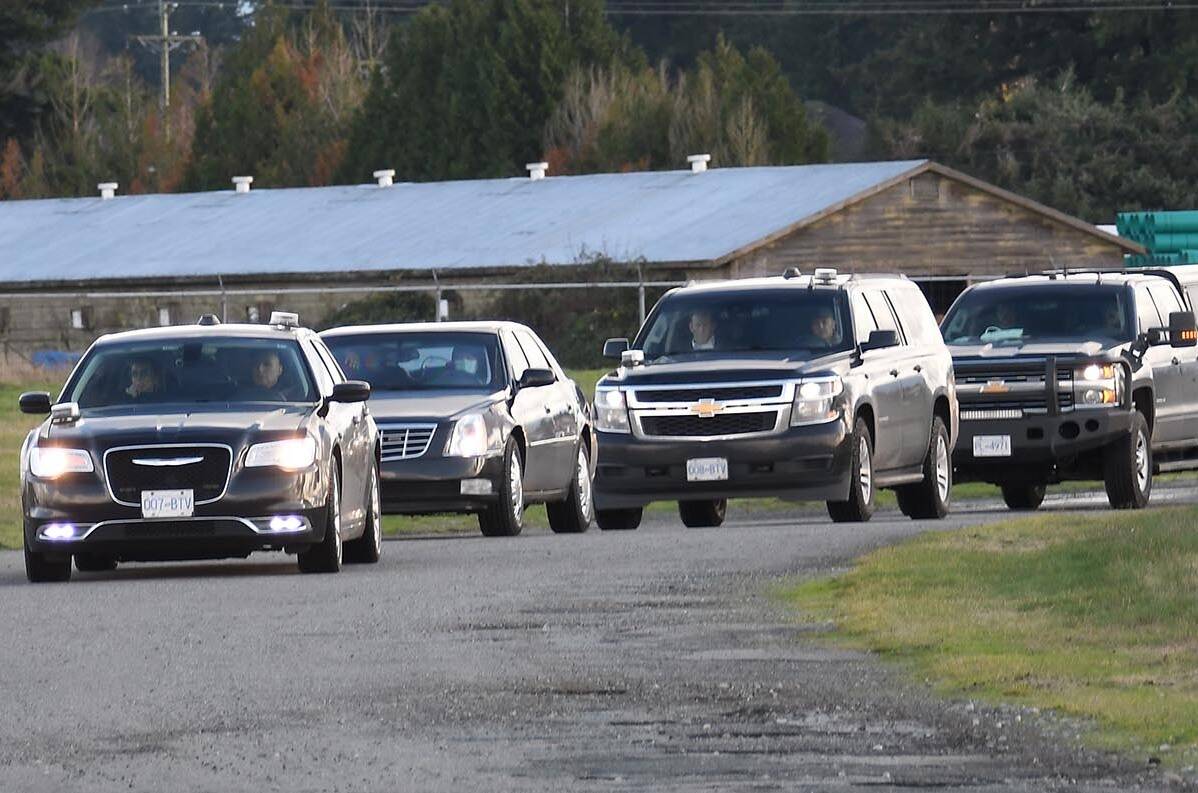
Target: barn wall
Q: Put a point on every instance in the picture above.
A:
(934, 226)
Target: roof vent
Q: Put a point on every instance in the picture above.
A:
(208, 319)
(385, 178)
(107, 189)
(284, 319)
(536, 170)
(791, 272)
(699, 162)
(242, 183)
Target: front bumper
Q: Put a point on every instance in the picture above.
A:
(430, 484)
(235, 525)
(799, 463)
(1044, 449)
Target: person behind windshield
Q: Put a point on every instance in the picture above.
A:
(266, 371)
(824, 328)
(145, 381)
(702, 327)
(469, 361)
(1112, 321)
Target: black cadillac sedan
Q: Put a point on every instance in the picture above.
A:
(475, 417)
(201, 442)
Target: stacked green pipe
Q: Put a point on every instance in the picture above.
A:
(1170, 237)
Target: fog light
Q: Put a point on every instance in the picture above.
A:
(58, 531)
(476, 487)
(285, 523)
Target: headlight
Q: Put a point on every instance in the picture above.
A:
(290, 455)
(1097, 385)
(611, 411)
(815, 401)
(469, 437)
(51, 462)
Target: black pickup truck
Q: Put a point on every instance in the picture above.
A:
(1076, 376)
(823, 387)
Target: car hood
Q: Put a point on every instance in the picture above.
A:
(723, 370)
(404, 405)
(1027, 349)
(184, 424)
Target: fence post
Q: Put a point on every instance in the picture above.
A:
(640, 292)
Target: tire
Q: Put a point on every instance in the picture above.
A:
(703, 514)
(929, 499)
(619, 519)
(94, 563)
(1127, 467)
(505, 518)
(369, 547)
(41, 569)
(860, 505)
(1023, 497)
(577, 512)
(326, 555)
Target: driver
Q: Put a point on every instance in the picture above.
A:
(266, 371)
(702, 327)
(145, 381)
(469, 361)
(823, 326)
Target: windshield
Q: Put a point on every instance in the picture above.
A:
(421, 361)
(798, 322)
(192, 370)
(1043, 313)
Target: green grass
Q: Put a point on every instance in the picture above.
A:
(14, 425)
(1092, 616)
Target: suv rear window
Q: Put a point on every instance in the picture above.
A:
(1047, 312)
(795, 321)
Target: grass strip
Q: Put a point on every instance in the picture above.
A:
(1090, 615)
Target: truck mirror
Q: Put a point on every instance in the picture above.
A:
(1183, 331)
(880, 340)
(614, 348)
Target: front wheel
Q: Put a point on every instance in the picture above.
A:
(929, 499)
(326, 555)
(577, 512)
(369, 547)
(505, 518)
(703, 514)
(1023, 497)
(860, 505)
(1127, 469)
(43, 569)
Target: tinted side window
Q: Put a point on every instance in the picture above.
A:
(916, 317)
(881, 311)
(536, 358)
(515, 355)
(329, 361)
(1146, 313)
(1166, 300)
(1192, 294)
(324, 379)
(863, 318)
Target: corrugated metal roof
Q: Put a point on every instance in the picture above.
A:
(673, 216)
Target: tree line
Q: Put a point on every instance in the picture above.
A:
(1088, 112)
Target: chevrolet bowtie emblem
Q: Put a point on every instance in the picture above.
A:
(706, 408)
(995, 387)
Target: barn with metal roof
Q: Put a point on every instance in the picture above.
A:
(71, 268)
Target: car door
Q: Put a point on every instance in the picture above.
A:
(567, 412)
(557, 399)
(885, 388)
(343, 421)
(528, 408)
(923, 341)
(1178, 368)
(905, 413)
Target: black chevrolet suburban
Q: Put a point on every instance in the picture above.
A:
(822, 387)
(1076, 376)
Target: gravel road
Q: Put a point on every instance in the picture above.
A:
(649, 660)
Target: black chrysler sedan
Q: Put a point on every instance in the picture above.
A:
(201, 442)
(474, 417)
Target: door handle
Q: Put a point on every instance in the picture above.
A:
(548, 409)
(1176, 362)
(894, 372)
(918, 368)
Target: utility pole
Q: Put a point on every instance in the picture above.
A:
(164, 42)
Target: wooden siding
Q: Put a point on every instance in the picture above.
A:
(931, 225)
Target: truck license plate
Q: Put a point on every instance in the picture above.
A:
(992, 446)
(707, 469)
(167, 503)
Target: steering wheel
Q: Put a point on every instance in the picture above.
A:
(434, 362)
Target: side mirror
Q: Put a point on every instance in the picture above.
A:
(351, 391)
(36, 402)
(614, 348)
(1155, 337)
(534, 378)
(880, 340)
(1183, 331)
